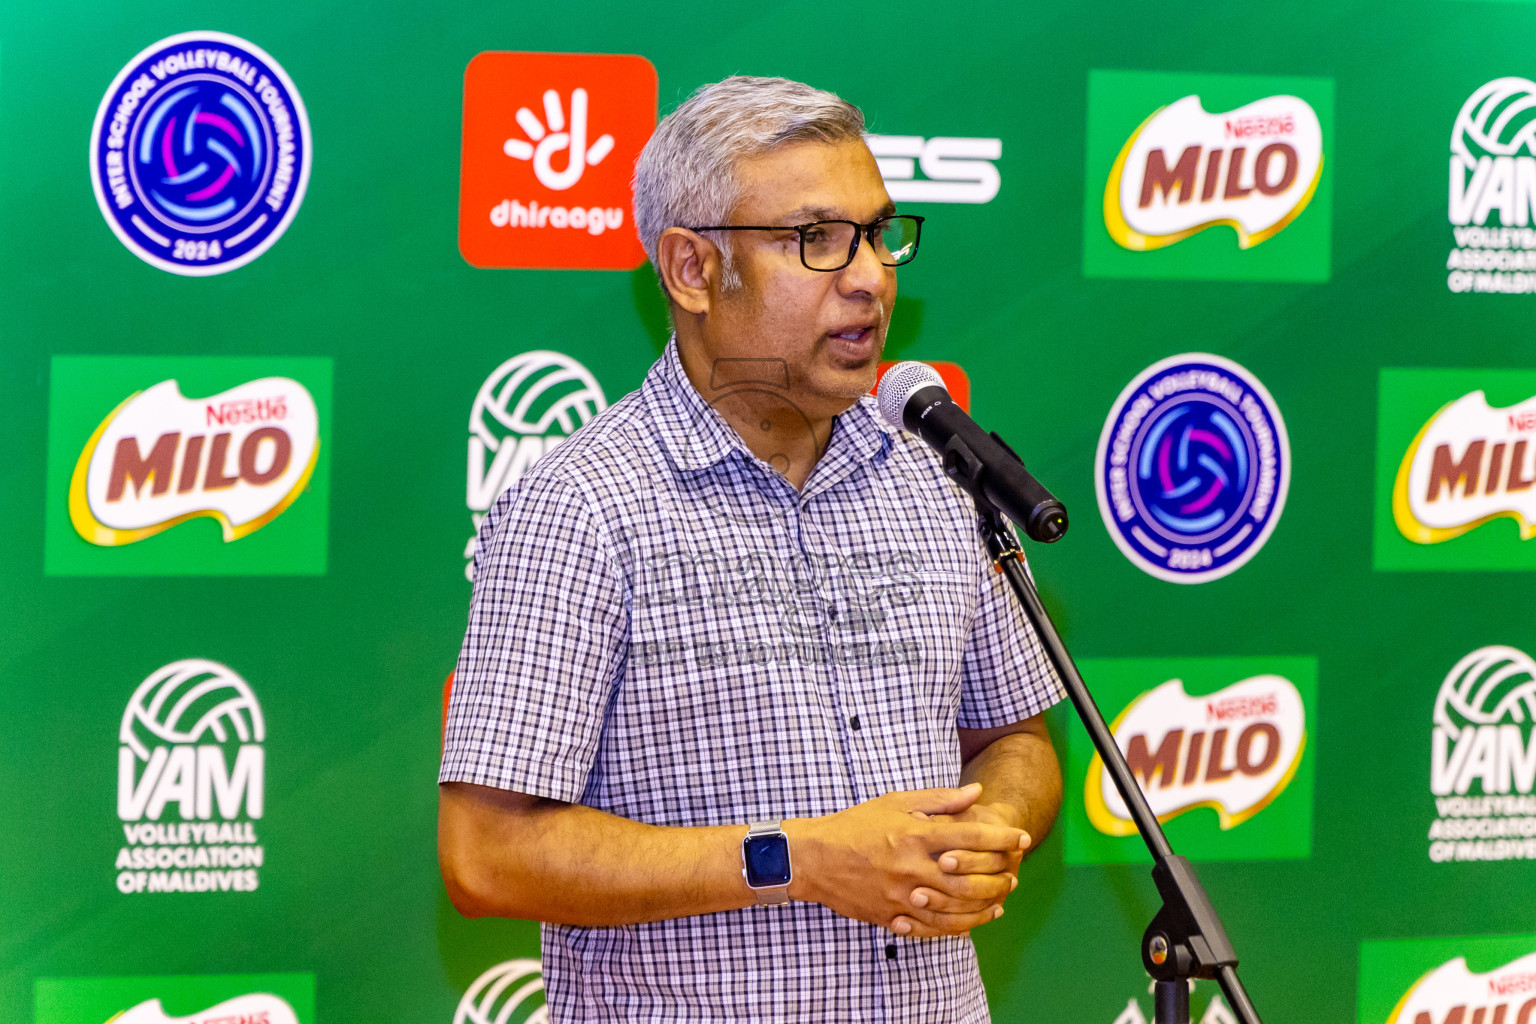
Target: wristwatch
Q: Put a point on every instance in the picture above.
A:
(765, 863)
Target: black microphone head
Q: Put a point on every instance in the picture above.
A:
(898, 386)
(1048, 524)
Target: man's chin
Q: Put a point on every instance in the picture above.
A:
(851, 384)
(851, 373)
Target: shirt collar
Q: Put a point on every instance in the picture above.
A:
(697, 436)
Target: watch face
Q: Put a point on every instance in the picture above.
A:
(767, 859)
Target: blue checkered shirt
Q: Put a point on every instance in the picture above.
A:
(663, 628)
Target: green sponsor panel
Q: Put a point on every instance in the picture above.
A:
(263, 998)
(1409, 400)
(994, 119)
(85, 391)
(1409, 981)
(1299, 249)
(1235, 749)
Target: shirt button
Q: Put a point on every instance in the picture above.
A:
(854, 723)
(890, 951)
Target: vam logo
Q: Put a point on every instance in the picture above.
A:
(191, 746)
(1220, 748)
(529, 404)
(200, 153)
(509, 993)
(955, 170)
(1216, 1011)
(1493, 190)
(1193, 467)
(1173, 157)
(171, 466)
(1483, 759)
(1456, 469)
(549, 146)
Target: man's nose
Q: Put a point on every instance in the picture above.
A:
(865, 274)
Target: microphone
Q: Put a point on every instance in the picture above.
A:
(913, 397)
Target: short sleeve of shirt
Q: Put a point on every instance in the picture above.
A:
(1005, 676)
(548, 628)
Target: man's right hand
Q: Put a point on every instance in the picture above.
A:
(864, 862)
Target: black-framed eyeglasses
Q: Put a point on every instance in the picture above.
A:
(829, 245)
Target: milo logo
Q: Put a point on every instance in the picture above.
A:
(1469, 464)
(1253, 169)
(1455, 469)
(1232, 751)
(1208, 177)
(1456, 980)
(187, 466)
(1221, 748)
(240, 457)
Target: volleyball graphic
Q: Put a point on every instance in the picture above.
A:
(509, 993)
(200, 153)
(1192, 468)
(1497, 120)
(188, 701)
(534, 394)
(1491, 686)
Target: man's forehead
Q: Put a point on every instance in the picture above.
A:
(815, 181)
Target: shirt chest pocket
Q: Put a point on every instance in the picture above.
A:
(927, 616)
(704, 631)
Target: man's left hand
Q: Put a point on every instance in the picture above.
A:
(968, 862)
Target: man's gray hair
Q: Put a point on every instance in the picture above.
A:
(686, 175)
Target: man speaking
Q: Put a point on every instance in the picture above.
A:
(743, 712)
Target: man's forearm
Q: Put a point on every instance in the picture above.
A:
(505, 854)
(1021, 771)
(565, 863)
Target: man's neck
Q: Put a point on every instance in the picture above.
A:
(756, 398)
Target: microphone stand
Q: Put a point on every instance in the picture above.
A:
(1186, 939)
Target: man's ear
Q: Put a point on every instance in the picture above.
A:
(688, 262)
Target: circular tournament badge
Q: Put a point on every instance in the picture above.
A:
(1192, 468)
(200, 153)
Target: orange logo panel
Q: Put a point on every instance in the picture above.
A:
(956, 381)
(549, 148)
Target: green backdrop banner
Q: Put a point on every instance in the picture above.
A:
(291, 292)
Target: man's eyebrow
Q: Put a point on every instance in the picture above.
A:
(802, 214)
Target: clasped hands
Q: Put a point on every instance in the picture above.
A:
(919, 863)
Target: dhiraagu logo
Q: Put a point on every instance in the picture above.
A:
(1220, 746)
(1208, 177)
(184, 999)
(187, 466)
